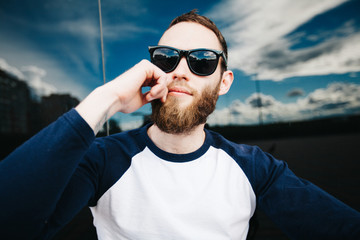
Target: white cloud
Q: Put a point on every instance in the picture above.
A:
(335, 99)
(334, 56)
(17, 52)
(296, 92)
(38, 79)
(259, 45)
(34, 76)
(257, 100)
(10, 69)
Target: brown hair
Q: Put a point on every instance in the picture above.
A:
(193, 16)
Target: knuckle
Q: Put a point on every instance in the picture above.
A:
(145, 62)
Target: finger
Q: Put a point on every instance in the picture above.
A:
(157, 92)
(162, 86)
(156, 79)
(147, 97)
(163, 99)
(155, 73)
(152, 73)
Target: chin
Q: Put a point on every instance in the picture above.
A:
(177, 101)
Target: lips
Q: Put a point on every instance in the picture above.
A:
(179, 90)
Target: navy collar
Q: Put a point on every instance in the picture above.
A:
(172, 157)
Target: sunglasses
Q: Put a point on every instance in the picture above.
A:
(202, 62)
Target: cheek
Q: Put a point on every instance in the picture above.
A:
(209, 82)
(213, 83)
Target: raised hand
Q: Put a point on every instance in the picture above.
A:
(124, 94)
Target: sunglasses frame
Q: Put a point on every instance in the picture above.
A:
(186, 53)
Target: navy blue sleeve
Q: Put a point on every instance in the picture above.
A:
(43, 183)
(298, 207)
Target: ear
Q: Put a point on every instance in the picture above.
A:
(226, 81)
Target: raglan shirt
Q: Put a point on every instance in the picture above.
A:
(135, 190)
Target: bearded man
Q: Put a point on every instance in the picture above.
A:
(171, 179)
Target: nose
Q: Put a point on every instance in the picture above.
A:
(182, 70)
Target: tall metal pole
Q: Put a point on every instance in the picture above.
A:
(259, 102)
(102, 56)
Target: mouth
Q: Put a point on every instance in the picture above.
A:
(179, 91)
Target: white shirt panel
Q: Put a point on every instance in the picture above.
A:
(207, 198)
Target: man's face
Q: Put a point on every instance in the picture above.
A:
(191, 98)
(172, 117)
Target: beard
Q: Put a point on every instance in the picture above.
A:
(171, 118)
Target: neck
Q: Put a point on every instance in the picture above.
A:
(178, 143)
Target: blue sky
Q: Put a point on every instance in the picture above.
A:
(305, 54)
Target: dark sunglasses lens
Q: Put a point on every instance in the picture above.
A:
(165, 58)
(203, 62)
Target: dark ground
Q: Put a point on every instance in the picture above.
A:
(331, 162)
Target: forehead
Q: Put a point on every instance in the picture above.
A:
(190, 35)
